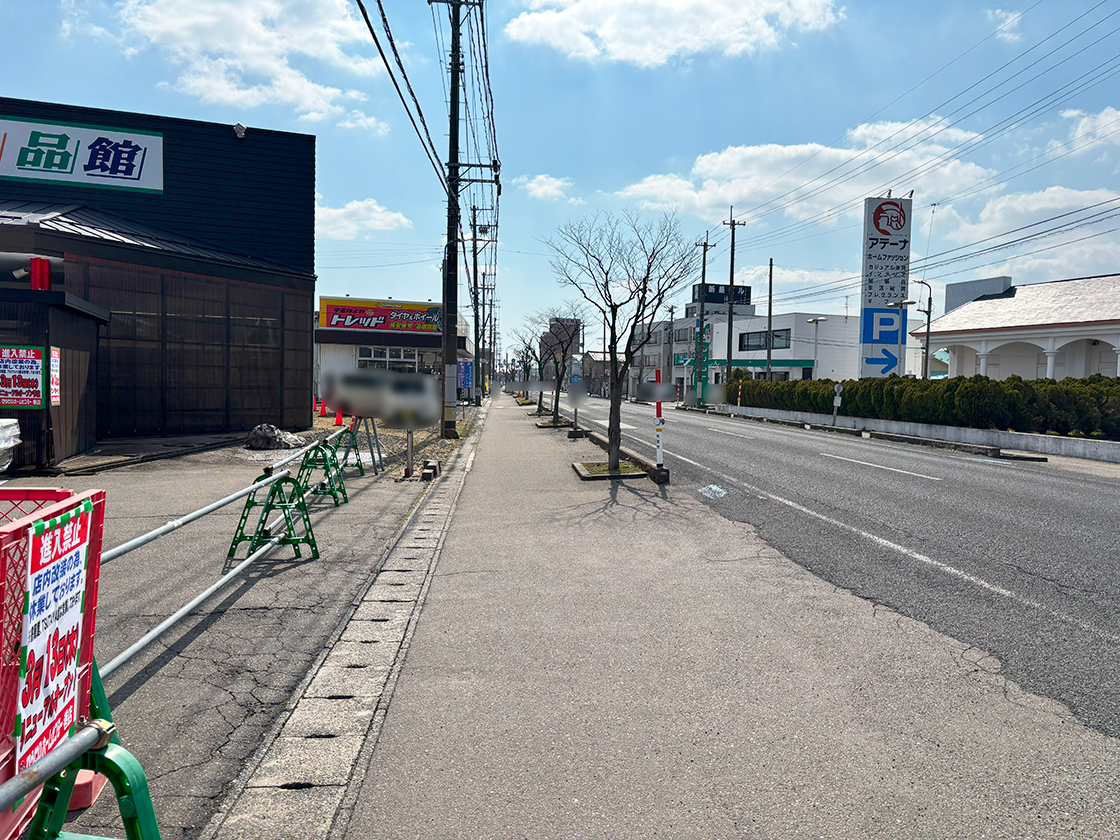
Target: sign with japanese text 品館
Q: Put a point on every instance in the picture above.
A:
(48, 698)
(85, 155)
(21, 376)
(886, 278)
(386, 316)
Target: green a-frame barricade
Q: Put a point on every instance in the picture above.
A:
(286, 497)
(114, 762)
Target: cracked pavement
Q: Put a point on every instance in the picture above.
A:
(195, 706)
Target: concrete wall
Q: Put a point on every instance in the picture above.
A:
(1094, 450)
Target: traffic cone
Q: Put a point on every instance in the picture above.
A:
(322, 408)
(338, 419)
(314, 404)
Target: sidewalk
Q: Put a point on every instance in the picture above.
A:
(614, 660)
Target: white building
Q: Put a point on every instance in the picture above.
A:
(801, 348)
(1042, 330)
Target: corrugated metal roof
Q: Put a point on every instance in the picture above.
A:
(1091, 299)
(78, 220)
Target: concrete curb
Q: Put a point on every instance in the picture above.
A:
(970, 448)
(220, 824)
(584, 475)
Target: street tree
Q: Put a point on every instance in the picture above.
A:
(558, 342)
(528, 352)
(627, 269)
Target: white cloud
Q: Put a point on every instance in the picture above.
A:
(1058, 257)
(799, 182)
(246, 52)
(547, 188)
(354, 219)
(1093, 130)
(1009, 24)
(650, 32)
(357, 119)
(1010, 212)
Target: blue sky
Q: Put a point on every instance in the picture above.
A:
(793, 111)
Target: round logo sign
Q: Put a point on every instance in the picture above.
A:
(889, 218)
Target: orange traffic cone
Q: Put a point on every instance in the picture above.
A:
(314, 404)
(338, 418)
(322, 408)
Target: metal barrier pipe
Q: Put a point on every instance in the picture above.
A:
(182, 612)
(151, 536)
(20, 785)
(299, 453)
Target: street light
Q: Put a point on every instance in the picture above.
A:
(901, 305)
(816, 322)
(929, 314)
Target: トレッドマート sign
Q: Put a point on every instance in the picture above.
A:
(385, 316)
(85, 155)
(886, 277)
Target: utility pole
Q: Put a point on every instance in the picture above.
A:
(770, 323)
(451, 252)
(731, 297)
(476, 397)
(701, 374)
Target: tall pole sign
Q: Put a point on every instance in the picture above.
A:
(886, 276)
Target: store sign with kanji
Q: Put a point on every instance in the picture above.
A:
(90, 156)
(886, 278)
(21, 377)
(47, 701)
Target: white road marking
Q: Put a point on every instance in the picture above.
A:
(1022, 600)
(733, 434)
(879, 466)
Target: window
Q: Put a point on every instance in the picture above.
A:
(684, 334)
(365, 352)
(757, 340)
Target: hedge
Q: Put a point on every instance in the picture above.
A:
(1077, 407)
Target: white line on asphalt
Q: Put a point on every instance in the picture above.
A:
(879, 466)
(733, 434)
(929, 561)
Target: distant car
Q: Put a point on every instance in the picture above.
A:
(400, 400)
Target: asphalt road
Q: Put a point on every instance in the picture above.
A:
(194, 706)
(1017, 559)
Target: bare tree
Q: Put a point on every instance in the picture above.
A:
(565, 324)
(627, 269)
(528, 354)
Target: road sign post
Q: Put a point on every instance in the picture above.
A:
(836, 401)
(660, 474)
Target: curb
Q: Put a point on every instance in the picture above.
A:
(968, 448)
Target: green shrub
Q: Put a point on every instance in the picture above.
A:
(1082, 407)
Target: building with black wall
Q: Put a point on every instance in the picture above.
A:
(205, 273)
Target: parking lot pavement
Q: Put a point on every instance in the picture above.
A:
(197, 703)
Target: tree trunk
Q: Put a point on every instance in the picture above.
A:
(556, 404)
(614, 423)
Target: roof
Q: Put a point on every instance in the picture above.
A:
(79, 220)
(1080, 301)
(596, 355)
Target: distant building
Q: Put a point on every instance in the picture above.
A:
(165, 267)
(1064, 328)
